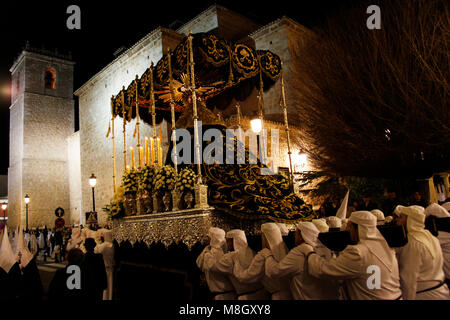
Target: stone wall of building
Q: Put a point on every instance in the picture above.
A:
(94, 100)
(281, 37)
(40, 120)
(74, 213)
(224, 22)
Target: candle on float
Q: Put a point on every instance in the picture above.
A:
(147, 153)
(152, 151)
(128, 169)
(132, 157)
(141, 157)
(159, 151)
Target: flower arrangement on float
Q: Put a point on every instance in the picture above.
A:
(115, 209)
(130, 182)
(186, 180)
(185, 186)
(164, 180)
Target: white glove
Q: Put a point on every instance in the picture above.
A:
(306, 249)
(265, 252)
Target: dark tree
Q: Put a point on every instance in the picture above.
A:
(376, 102)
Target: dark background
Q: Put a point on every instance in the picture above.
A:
(106, 26)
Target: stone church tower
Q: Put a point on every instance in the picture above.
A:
(41, 120)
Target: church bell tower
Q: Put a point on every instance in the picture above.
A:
(41, 120)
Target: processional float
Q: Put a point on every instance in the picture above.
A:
(229, 196)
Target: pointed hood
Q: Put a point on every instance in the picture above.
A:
(342, 211)
(22, 251)
(7, 256)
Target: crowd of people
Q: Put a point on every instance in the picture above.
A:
(387, 205)
(91, 250)
(368, 268)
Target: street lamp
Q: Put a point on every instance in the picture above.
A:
(27, 201)
(4, 206)
(93, 182)
(256, 125)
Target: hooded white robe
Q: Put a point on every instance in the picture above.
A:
(243, 255)
(218, 283)
(421, 260)
(444, 237)
(76, 240)
(256, 271)
(303, 286)
(41, 240)
(352, 264)
(33, 244)
(7, 256)
(106, 249)
(22, 252)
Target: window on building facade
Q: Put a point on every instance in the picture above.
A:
(50, 78)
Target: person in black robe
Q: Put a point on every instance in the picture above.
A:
(32, 284)
(95, 271)
(11, 284)
(58, 288)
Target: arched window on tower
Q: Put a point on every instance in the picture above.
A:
(50, 78)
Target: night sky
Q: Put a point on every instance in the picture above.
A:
(106, 26)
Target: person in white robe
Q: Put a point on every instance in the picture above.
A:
(444, 237)
(33, 244)
(283, 229)
(379, 215)
(100, 233)
(272, 245)
(106, 249)
(41, 240)
(420, 260)
(321, 225)
(218, 283)
(446, 206)
(334, 222)
(239, 252)
(76, 239)
(22, 253)
(358, 265)
(7, 256)
(303, 286)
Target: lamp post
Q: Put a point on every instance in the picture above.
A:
(4, 206)
(256, 125)
(93, 182)
(27, 201)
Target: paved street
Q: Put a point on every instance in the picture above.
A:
(47, 270)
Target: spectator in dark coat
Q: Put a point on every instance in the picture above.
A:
(390, 203)
(367, 204)
(94, 270)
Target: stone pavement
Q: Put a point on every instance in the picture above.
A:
(47, 270)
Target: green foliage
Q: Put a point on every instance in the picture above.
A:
(186, 180)
(115, 209)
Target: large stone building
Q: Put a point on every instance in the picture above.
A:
(52, 163)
